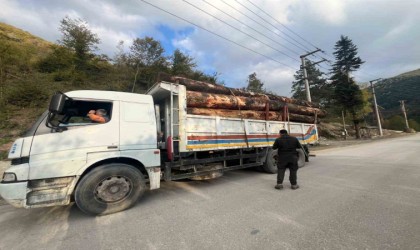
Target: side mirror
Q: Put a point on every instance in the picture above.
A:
(57, 103)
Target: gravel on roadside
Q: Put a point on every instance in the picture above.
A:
(329, 143)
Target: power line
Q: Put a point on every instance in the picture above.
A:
(250, 27)
(328, 56)
(245, 25)
(271, 24)
(277, 28)
(262, 25)
(227, 39)
(266, 44)
(282, 24)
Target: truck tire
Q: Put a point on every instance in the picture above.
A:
(109, 189)
(301, 158)
(306, 148)
(270, 165)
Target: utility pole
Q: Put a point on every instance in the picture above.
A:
(305, 74)
(405, 114)
(344, 125)
(376, 106)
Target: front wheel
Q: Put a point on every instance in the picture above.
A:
(270, 165)
(301, 158)
(109, 189)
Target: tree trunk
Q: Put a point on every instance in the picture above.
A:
(261, 103)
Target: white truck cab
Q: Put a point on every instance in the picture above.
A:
(65, 145)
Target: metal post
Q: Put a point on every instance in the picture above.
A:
(305, 75)
(344, 125)
(405, 114)
(376, 107)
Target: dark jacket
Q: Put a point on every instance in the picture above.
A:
(287, 145)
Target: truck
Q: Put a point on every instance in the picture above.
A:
(149, 138)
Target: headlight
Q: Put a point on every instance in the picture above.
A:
(9, 177)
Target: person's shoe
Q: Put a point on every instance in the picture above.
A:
(279, 186)
(295, 186)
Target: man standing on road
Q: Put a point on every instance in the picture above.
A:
(287, 158)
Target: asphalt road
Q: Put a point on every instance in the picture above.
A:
(364, 196)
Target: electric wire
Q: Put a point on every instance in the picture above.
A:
(220, 36)
(271, 25)
(363, 78)
(265, 27)
(305, 48)
(233, 27)
(282, 24)
(315, 55)
(250, 27)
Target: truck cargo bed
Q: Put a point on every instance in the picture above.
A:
(189, 133)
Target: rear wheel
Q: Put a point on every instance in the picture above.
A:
(270, 165)
(110, 188)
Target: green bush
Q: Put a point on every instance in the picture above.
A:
(27, 95)
(60, 76)
(414, 125)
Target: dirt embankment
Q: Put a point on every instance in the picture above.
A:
(332, 135)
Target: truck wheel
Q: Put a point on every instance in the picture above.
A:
(306, 148)
(301, 158)
(270, 165)
(109, 189)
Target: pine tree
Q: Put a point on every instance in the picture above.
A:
(182, 64)
(255, 84)
(347, 93)
(319, 88)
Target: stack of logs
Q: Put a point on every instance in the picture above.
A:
(217, 100)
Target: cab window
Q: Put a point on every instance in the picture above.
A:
(82, 113)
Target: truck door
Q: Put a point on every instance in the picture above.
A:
(138, 126)
(64, 151)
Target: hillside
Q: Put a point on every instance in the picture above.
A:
(406, 87)
(15, 37)
(22, 90)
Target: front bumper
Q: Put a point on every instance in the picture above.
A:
(39, 193)
(14, 193)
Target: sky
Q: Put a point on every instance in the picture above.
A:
(235, 38)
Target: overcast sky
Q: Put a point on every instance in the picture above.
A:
(385, 31)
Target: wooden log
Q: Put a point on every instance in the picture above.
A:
(303, 118)
(219, 101)
(250, 114)
(244, 114)
(219, 89)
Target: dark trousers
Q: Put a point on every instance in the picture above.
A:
(290, 163)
